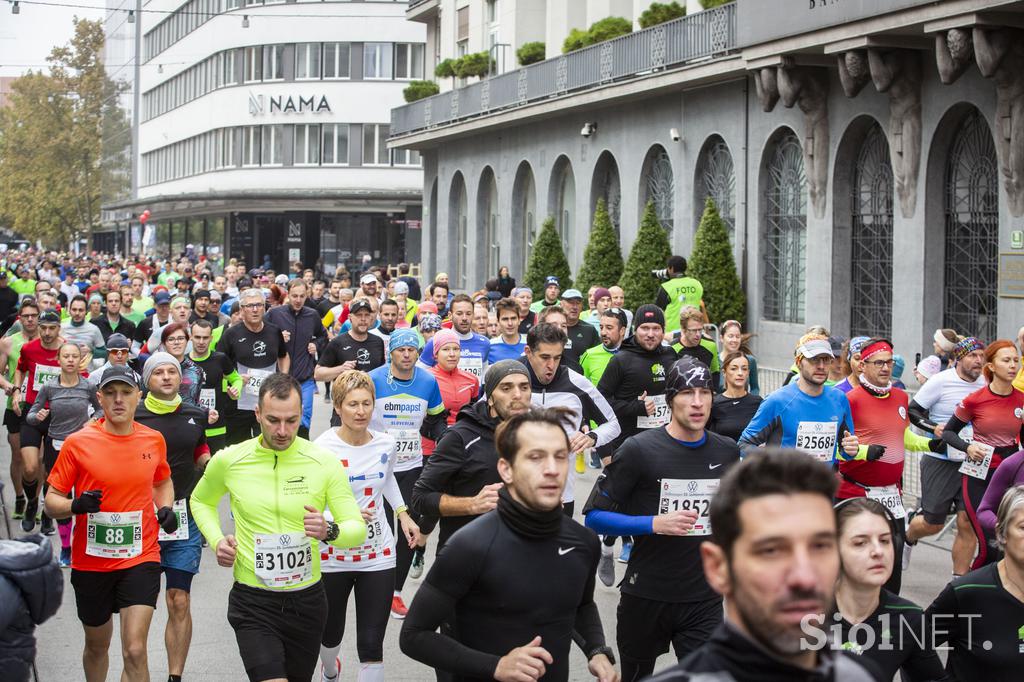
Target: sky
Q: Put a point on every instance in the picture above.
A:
(27, 38)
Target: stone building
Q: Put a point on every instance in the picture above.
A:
(867, 156)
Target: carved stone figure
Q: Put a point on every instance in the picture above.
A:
(767, 88)
(954, 54)
(854, 73)
(898, 73)
(807, 88)
(1000, 56)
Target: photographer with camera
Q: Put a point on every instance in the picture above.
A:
(677, 291)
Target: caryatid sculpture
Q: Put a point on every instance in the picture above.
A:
(898, 73)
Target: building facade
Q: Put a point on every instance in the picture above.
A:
(260, 132)
(866, 156)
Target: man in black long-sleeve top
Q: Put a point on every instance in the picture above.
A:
(460, 480)
(526, 556)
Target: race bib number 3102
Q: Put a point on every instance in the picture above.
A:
(683, 495)
(282, 560)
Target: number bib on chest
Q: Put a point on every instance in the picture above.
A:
(114, 535)
(181, 511)
(408, 446)
(659, 418)
(251, 390)
(474, 366)
(682, 495)
(818, 439)
(890, 498)
(282, 559)
(208, 398)
(44, 374)
(374, 544)
(978, 469)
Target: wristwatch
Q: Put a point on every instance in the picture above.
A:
(332, 532)
(606, 650)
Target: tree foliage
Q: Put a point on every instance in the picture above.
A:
(54, 166)
(650, 251)
(599, 31)
(711, 4)
(660, 12)
(417, 90)
(474, 64)
(531, 53)
(445, 68)
(547, 259)
(711, 263)
(602, 259)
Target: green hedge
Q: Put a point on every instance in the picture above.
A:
(531, 53)
(599, 31)
(420, 89)
(711, 263)
(650, 252)
(659, 13)
(602, 259)
(546, 259)
(445, 69)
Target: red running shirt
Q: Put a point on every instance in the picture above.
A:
(39, 365)
(996, 418)
(878, 421)
(125, 468)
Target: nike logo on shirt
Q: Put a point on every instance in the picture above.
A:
(345, 347)
(714, 466)
(563, 551)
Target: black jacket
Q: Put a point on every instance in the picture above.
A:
(124, 326)
(463, 462)
(31, 587)
(630, 373)
(506, 285)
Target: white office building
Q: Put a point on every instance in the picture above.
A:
(260, 130)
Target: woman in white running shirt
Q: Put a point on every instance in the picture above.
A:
(369, 457)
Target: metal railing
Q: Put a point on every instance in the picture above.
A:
(698, 36)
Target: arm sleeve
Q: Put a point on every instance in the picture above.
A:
(1001, 480)
(615, 523)
(755, 387)
(434, 425)
(951, 433)
(341, 502)
(205, 498)
(919, 416)
(588, 619)
(661, 300)
(762, 427)
(447, 460)
(915, 443)
(597, 410)
(282, 347)
(435, 602)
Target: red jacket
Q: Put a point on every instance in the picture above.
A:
(458, 389)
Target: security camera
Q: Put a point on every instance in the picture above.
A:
(588, 129)
(674, 134)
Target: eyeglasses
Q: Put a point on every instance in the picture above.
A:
(694, 332)
(119, 351)
(176, 339)
(253, 306)
(880, 363)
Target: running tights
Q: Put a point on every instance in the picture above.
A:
(373, 607)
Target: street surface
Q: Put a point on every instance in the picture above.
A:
(214, 655)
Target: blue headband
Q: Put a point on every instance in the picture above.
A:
(402, 338)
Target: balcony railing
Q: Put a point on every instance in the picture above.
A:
(688, 39)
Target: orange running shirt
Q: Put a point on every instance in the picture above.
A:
(125, 468)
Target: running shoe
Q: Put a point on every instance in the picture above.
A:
(398, 608)
(580, 467)
(65, 557)
(416, 569)
(595, 460)
(627, 549)
(19, 507)
(907, 547)
(46, 527)
(606, 567)
(28, 523)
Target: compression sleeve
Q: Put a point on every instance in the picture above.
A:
(342, 503)
(914, 442)
(205, 498)
(615, 523)
(951, 433)
(919, 417)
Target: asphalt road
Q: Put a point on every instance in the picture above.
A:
(214, 656)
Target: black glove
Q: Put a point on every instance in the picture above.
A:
(87, 503)
(168, 519)
(875, 452)
(937, 445)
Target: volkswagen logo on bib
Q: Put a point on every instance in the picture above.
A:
(115, 518)
(286, 540)
(691, 487)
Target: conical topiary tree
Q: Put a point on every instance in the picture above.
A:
(711, 263)
(602, 259)
(547, 259)
(650, 251)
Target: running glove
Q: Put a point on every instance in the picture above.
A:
(875, 452)
(937, 445)
(168, 519)
(87, 503)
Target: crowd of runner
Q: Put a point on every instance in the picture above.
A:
(762, 537)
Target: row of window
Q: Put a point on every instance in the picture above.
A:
(267, 63)
(279, 145)
(191, 16)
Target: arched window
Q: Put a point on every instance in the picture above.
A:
(606, 186)
(785, 231)
(487, 222)
(871, 238)
(562, 202)
(458, 230)
(716, 178)
(658, 186)
(972, 230)
(524, 213)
